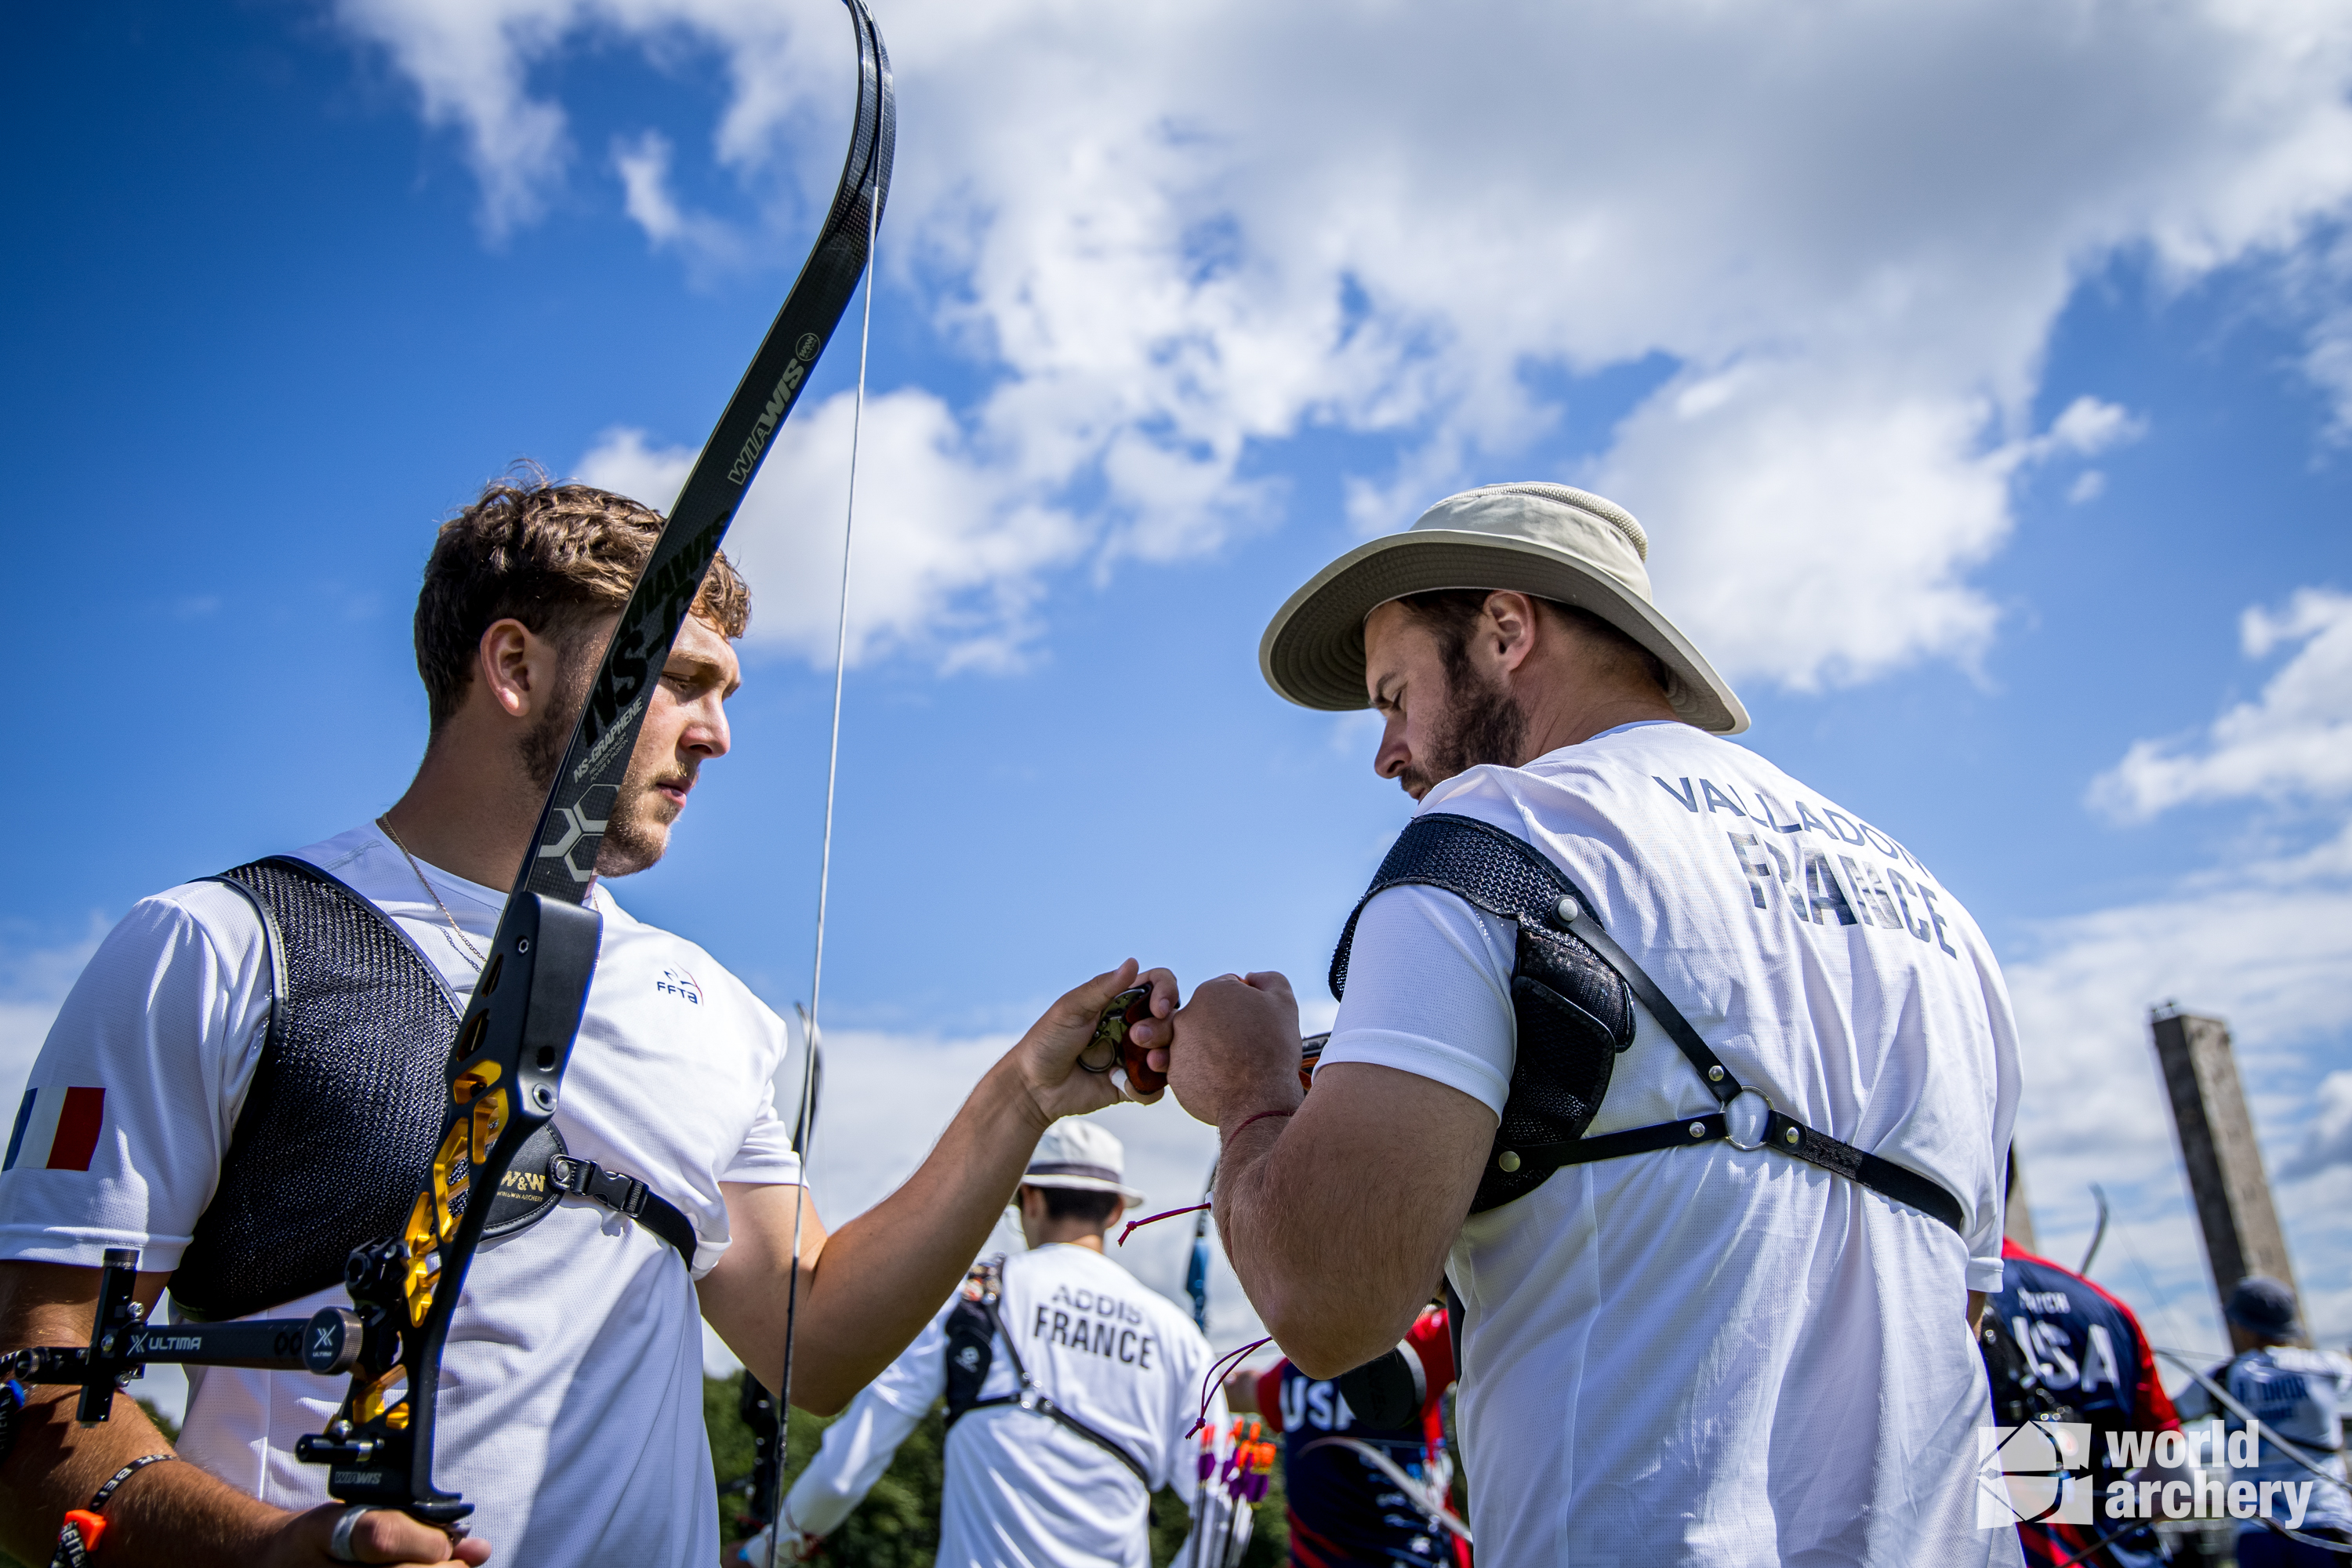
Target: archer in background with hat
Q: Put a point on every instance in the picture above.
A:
(1071, 1391)
(2299, 1394)
(1691, 1083)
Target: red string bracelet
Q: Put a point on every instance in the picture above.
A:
(1259, 1117)
(1135, 1225)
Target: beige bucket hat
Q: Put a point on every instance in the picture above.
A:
(1554, 542)
(1084, 1157)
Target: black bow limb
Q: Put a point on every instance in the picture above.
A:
(506, 1072)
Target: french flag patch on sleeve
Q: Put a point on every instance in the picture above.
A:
(57, 1129)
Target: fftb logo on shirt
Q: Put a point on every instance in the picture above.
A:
(677, 982)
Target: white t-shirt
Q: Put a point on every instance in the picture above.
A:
(571, 1405)
(1702, 1354)
(1023, 1488)
(2301, 1395)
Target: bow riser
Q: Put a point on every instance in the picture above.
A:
(505, 1083)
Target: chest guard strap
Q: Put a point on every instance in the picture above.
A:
(1505, 876)
(973, 1329)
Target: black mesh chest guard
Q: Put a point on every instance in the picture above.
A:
(337, 1132)
(1574, 1011)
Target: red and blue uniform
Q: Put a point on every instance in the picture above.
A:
(2092, 1355)
(1343, 1512)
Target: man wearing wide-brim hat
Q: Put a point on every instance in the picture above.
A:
(1689, 1082)
(1080, 1386)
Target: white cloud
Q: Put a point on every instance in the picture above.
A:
(644, 164)
(1173, 234)
(2294, 741)
(949, 549)
(2260, 946)
(643, 168)
(464, 60)
(2088, 486)
(2263, 940)
(2089, 427)
(2330, 1139)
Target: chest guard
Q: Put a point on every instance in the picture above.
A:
(1574, 1012)
(1572, 1021)
(338, 1131)
(343, 1116)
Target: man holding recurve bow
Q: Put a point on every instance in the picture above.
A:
(233, 1087)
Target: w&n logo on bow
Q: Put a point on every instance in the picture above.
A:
(2035, 1474)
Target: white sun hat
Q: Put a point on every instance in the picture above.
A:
(1078, 1155)
(1554, 542)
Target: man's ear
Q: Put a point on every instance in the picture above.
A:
(516, 665)
(1513, 623)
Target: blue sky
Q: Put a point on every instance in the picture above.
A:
(1978, 370)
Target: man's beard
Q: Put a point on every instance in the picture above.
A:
(543, 745)
(636, 833)
(1481, 725)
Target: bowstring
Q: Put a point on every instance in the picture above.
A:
(807, 1131)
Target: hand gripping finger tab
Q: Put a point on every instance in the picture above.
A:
(1113, 1046)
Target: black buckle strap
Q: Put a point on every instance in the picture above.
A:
(587, 1179)
(625, 1193)
(1785, 1134)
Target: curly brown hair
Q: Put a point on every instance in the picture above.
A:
(554, 557)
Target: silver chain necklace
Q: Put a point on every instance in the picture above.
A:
(385, 822)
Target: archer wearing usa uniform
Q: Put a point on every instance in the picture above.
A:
(1071, 1389)
(2087, 1351)
(1691, 1084)
(1343, 1508)
(240, 1077)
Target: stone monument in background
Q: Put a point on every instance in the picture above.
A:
(2217, 1145)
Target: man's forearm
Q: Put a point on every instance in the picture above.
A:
(167, 1513)
(1339, 1217)
(865, 1292)
(172, 1513)
(1318, 1283)
(875, 1282)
